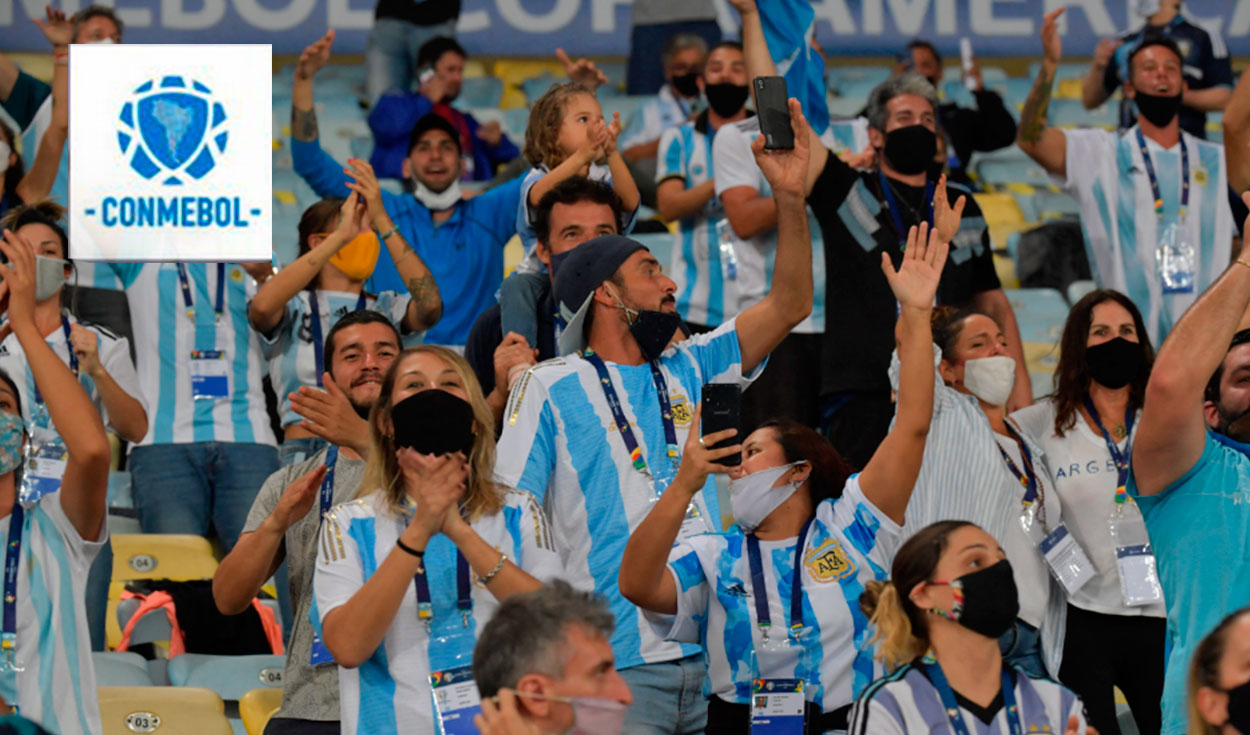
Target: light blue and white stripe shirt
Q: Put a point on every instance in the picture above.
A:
(1107, 175)
(390, 692)
(850, 544)
(560, 443)
(525, 214)
(165, 337)
(58, 687)
(289, 348)
(704, 294)
(650, 121)
(907, 703)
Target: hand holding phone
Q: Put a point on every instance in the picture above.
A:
(774, 113)
(722, 409)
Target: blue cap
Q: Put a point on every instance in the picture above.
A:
(584, 270)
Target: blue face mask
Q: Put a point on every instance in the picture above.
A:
(12, 429)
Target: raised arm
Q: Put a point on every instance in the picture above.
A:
(762, 327)
(126, 414)
(590, 150)
(1237, 136)
(676, 202)
(1046, 145)
(890, 476)
(622, 180)
(1093, 84)
(38, 181)
(84, 486)
(1173, 429)
(313, 164)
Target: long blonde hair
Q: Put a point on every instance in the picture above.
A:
(542, 136)
(382, 472)
(900, 626)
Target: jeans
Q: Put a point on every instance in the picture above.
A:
(391, 53)
(182, 488)
(294, 451)
(518, 304)
(668, 697)
(97, 596)
(645, 74)
(1022, 648)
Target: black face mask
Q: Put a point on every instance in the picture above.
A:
(1158, 110)
(653, 330)
(910, 150)
(1239, 707)
(726, 99)
(990, 601)
(434, 422)
(1115, 363)
(687, 85)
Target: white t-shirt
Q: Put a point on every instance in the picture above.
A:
(1084, 474)
(1027, 564)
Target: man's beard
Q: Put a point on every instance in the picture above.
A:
(1236, 426)
(362, 409)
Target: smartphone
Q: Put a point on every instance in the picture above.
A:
(425, 74)
(774, 112)
(722, 409)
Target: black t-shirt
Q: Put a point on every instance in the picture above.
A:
(861, 310)
(487, 334)
(419, 12)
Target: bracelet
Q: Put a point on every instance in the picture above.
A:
(400, 543)
(1242, 261)
(503, 558)
(390, 232)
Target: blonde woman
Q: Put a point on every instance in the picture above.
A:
(950, 596)
(409, 571)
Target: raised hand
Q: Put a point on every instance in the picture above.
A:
(19, 274)
(1105, 51)
(1074, 727)
(591, 149)
(297, 499)
(865, 159)
(329, 415)
(314, 57)
(786, 170)
(698, 460)
(86, 346)
(436, 484)
(946, 219)
(916, 282)
(582, 71)
(512, 351)
(490, 132)
(612, 131)
(366, 185)
(58, 29)
(744, 6)
(500, 716)
(353, 218)
(1052, 44)
(434, 88)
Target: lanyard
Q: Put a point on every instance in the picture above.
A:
(327, 482)
(1033, 489)
(939, 682)
(1154, 180)
(896, 213)
(762, 617)
(12, 562)
(187, 298)
(464, 592)
(1120, 458)
(315, 326)
(73, 357)
(618, 414)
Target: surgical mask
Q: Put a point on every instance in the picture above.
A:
(5, 152)
(1159, 110)
(910, 150)
(726, 99)
(652, 330)
(687, 85)
(591, 715)
(49, 276)
(752, 497)
(434, 421)
(1114, 363)
(100, 40)
(12, 429)
(990, 378)
(1239, 707)
(437, 201)
(357, 258)
(986, 601)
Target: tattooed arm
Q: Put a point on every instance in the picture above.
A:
(303, 114)
(426, 307)
(1046, 145)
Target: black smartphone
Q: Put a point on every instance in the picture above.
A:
(722, 409)
(774, 112)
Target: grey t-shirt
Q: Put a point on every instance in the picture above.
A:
(653, 12)
(309, 692)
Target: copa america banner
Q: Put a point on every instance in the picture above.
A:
(172, 152)
(602, 27)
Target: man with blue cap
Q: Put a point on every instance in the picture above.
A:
(597, 433)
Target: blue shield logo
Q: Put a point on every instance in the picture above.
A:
(172, 130)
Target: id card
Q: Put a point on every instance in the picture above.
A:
(777, 707)
(456, 700)
(210, 376)
(1139, 582)
(45, 466)
(728, 253)
(320, 654)
(693, 524)
(1066, 559)
(1175, 261)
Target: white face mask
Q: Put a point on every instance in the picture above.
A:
(752, 498)
(5, 152)
(990, 378)
(1147, 8)
(49, 276)
(437, 201)
(101, 40)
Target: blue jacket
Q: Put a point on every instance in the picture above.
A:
(396, 114)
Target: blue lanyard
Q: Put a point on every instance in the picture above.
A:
(618, 414)
(73, 358)
(187, 298)
(938, 679)
(315, 326)
(1154, 180)
(327, 482)
(892, 204)
(763, 618)
(1121, 459)
(12, 562)
(1028, 478)
(464, 592)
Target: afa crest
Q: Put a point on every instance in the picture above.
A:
(829, 562)
(683, 415)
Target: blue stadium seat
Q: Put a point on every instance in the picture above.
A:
(230, 676)
(847, 106)
(536, 87)
(660, 244)
(839, 77)
(1068, 70)
(120, 669)
(1040, 312)
(481, 92)
(1051, 204)
(1078, 289)
(1009, 166)
(628, 106)
(1072, 113)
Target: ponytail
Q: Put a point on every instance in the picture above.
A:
(883, 605)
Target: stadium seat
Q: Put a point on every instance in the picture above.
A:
(1008, 166)
(162, 710)
(1078, 289)
(660, 244)
(1040, 313)
(481, 91)
(536, 87)
(847, 106)
(1066, 112)
(628, 106)
(1068, 70)
(120, 669)
(231, 677)
(257, 706)
(1052, 204)
(155, 556)
(840, 77)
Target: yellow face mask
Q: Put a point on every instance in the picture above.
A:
(357, 258)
